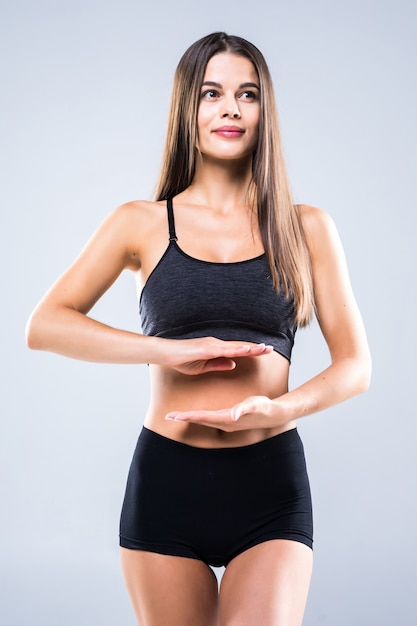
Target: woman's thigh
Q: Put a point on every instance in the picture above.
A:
(268, 584)
(170, 590)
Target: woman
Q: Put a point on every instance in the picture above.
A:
(229, 268)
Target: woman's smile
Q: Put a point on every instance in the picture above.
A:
(231, 132)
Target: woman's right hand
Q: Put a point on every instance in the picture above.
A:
(208, 354)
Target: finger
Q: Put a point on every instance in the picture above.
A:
(261, 348)
(249, 349)
(199, 416)
(219, 364)
(237, 412)
(233, 350)
(242, 409)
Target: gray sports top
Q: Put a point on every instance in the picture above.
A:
(185, 297)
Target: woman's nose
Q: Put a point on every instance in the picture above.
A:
(230, 109)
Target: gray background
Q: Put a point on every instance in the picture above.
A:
(85, 89)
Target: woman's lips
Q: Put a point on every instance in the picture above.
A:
(229, 131)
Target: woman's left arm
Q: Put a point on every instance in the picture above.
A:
(342, 327)
(340, 322)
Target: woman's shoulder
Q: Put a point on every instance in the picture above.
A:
(143, 226)
(313, 217)
(320, 232)
(138, 217)
(318, 225)
(140, 210)
(133, 227)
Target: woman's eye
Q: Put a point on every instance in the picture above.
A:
(211, 94)
(248, 95)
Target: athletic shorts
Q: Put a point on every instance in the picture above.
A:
(214, 503)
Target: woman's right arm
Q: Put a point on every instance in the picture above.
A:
(60, 322)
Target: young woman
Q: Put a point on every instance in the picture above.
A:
(229, 268)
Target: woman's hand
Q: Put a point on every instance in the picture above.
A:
(208, 354)
(253, 412)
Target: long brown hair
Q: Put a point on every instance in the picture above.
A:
(279, 220)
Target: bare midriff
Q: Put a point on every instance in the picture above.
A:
(266, 375)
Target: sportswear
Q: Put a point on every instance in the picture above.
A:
(185, 297)
(214, 503)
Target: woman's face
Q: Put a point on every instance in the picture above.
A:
(229, 110)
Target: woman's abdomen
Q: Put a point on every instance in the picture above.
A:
(171, 391)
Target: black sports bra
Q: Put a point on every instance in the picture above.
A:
(185, 297)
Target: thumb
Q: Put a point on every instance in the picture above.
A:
(219, 364)
(237, 412)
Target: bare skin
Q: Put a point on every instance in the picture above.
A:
(268, 584)
(207, 392)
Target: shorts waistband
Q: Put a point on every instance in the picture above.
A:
(287, 439)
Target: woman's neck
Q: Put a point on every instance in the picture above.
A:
(221, 183)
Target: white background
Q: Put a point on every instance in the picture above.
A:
(85, 90)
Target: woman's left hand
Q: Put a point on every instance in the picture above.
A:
(253, 412)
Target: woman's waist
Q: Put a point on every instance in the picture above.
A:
(171, 391)
(212, 392)
(264, 375)
(206, 437)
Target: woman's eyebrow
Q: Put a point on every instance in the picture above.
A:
(212, 83)
(245, 85)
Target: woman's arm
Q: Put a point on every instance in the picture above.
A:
(340, 322)
(342, 327)
(60, 323)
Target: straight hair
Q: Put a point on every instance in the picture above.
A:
(278, 218)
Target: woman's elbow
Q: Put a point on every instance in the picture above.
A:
(34, 332)
(364, 373)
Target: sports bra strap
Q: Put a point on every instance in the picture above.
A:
(171, 223)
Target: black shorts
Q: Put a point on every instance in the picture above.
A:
(213, 503)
